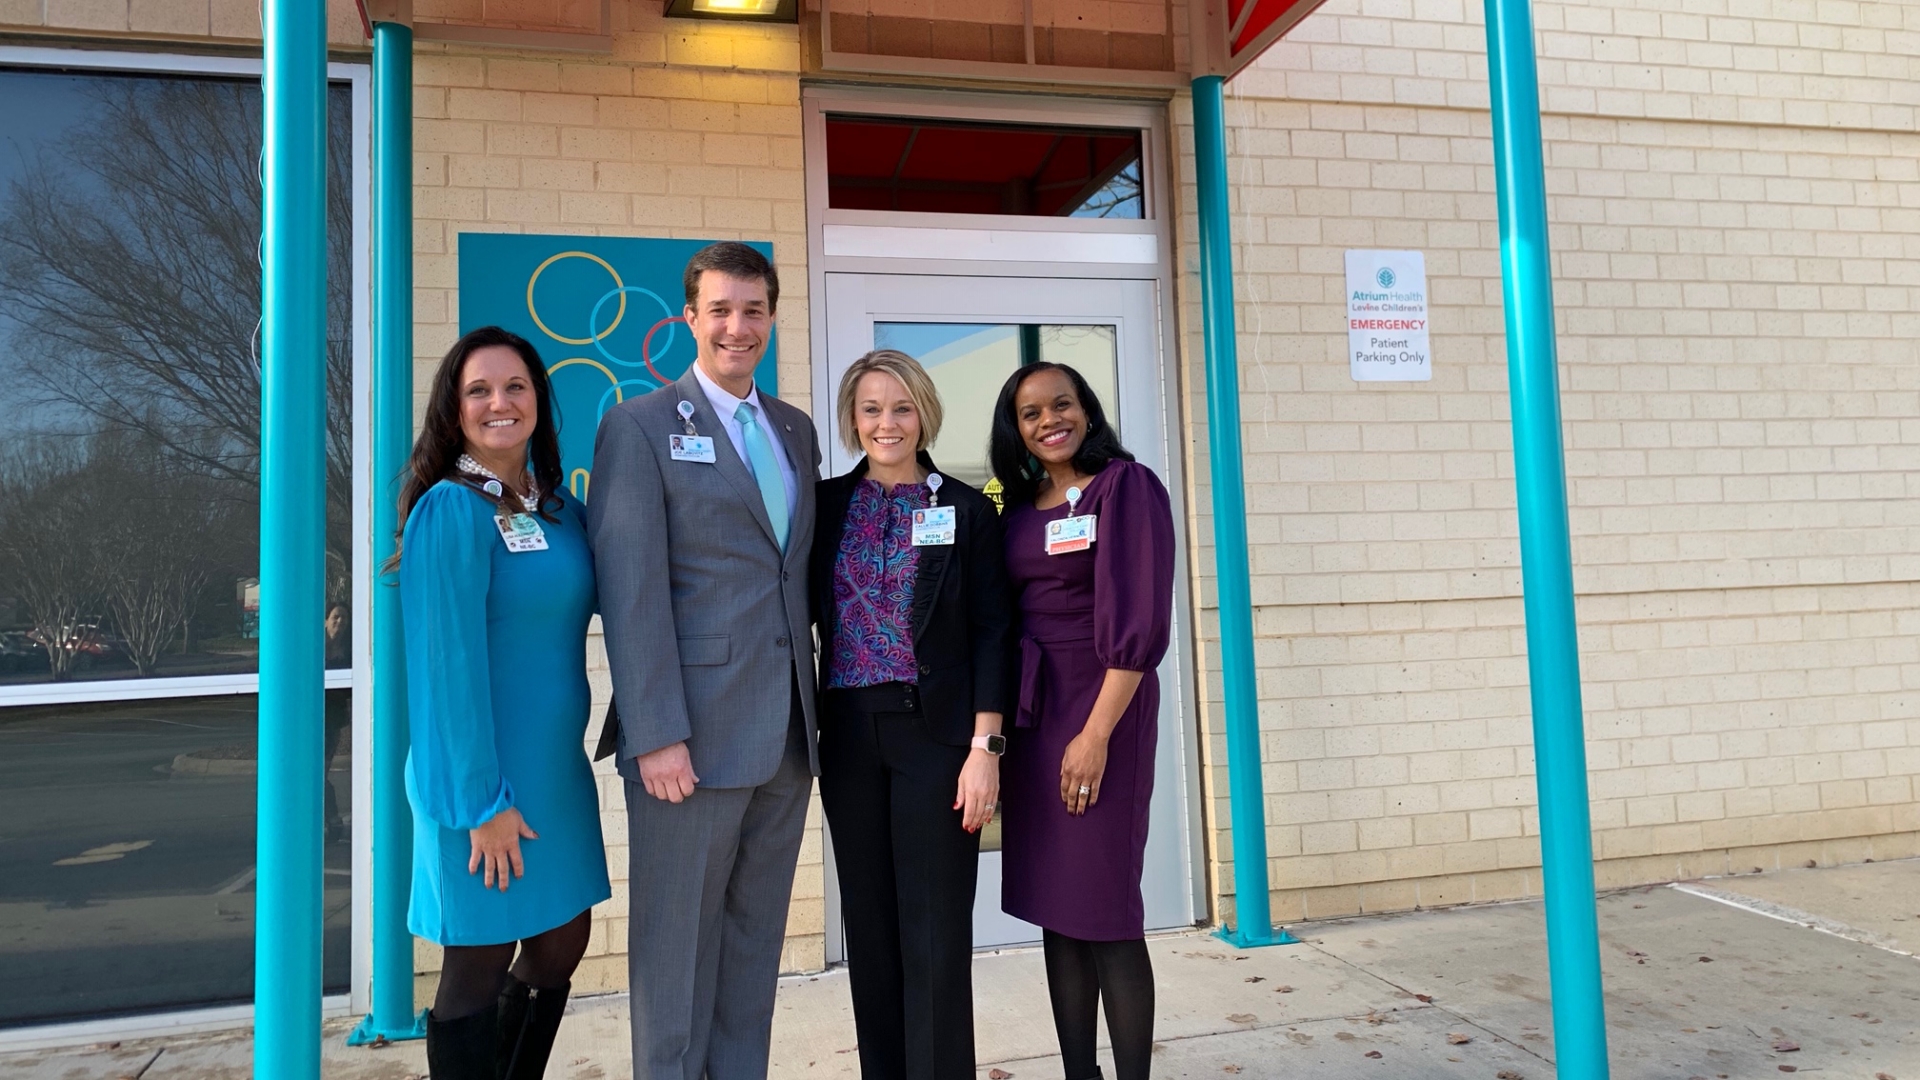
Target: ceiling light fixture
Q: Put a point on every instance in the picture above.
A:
(786, 11)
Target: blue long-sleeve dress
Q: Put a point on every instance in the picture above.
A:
(497, 705)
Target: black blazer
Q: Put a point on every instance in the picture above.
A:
(962, 609)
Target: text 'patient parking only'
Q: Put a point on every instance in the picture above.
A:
(1387, 316)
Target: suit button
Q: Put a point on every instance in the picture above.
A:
(926, 669)
(781, 642)
(783, 575)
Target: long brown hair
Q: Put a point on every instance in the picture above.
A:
(441, 442)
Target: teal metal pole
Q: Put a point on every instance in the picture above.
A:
(1245, 791)
(1546, 554)
(393, 1016)
(287, 920)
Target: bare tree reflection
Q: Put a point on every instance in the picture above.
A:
(129, 271)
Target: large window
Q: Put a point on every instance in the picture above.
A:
(130, 208)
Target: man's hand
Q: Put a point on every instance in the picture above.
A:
(667, 773)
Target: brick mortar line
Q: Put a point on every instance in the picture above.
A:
(1595, 595)
(1621, 118)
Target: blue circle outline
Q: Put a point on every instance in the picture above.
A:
(593, 324)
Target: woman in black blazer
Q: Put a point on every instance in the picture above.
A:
(911, 601)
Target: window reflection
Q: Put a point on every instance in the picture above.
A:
(129, 298)
(970, 167)
(127, 855)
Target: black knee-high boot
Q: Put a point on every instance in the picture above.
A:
(529, 1020)
(465, 1047)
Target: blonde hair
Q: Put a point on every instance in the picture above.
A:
(913, 378)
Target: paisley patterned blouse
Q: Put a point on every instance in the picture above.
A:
(873, 587)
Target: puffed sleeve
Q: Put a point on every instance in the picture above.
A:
(1133, 570)
(445, 572)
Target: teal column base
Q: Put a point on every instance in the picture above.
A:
(1275, 935)
(370, 1034)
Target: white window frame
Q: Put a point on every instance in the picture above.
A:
(358, 77)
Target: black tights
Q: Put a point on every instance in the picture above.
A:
(471, 975)
(1083, 974)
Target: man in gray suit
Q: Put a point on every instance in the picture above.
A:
(701, 515)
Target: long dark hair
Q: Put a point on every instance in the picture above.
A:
(1015, 467)
(441, 442)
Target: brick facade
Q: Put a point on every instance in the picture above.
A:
(1735, 199)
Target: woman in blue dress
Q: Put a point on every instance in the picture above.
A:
(496, 587)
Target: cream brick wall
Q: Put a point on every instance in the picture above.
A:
(689, 129)
(1735, 198)
(164, 20)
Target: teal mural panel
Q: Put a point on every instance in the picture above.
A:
(605, 313)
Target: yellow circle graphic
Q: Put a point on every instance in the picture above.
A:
(617, 283)
(597, 366)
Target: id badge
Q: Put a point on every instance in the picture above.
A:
(691, 448)
(933, 526)
(522, 533)
(1071, 534)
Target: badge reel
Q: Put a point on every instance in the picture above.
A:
(1075, 532)
(933, 526)
(692, 446)
(520, 531)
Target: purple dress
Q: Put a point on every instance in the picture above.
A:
(1082, 613)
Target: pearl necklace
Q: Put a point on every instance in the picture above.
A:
(467, 464)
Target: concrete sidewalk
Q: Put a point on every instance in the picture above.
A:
(1802, 971)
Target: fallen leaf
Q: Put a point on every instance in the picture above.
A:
(1812, 864)
(1230, 1068)
(1785, 1046)
(1508, 1074)
(999, 1074)
(1706, 959)
(1241, 1018)
(1789, 1068)
(1882, 1076)
(1283, 989)
(1457, 1039)
(1691, 1031)
(1256, 978)
(1425, 999)
(1375, 1054)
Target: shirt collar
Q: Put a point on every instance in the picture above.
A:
(724, 403)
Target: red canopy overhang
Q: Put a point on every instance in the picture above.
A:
(1252, 25)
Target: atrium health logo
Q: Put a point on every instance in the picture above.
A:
(1385, 277)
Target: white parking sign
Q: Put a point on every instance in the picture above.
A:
(1387, 316)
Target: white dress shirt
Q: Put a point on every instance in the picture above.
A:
(725, 405)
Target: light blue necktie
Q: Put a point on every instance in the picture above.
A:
(766, 471)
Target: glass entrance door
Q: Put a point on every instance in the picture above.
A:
(971, 333)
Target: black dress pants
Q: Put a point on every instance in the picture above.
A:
(907, 871)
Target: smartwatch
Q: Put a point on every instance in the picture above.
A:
(992, 744)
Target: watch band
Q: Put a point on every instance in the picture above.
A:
(992, 744)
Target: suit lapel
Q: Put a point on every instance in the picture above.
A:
(725, 458)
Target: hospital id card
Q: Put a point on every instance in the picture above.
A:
(691, 448)
(1071, 534)
(933, 526)
(521, 533)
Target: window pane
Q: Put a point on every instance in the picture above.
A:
(953, 167)
(129, 299)
(969, 362)
(127, 855)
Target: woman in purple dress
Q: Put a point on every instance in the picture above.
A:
(1090, 554)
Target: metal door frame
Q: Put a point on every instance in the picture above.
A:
(881, 242)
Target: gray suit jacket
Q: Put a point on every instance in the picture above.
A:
(707, 623)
